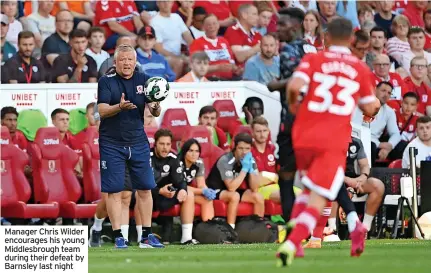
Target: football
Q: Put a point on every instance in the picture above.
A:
(156, 89)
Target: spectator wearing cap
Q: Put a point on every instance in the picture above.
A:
(10, 9)
(414, 12)
(76, 66)
(264, 67)
(199, 65)
(118, 18)
(108, 63)
(398, 45)
(152, 63)
(58, 43)
(415, 83)
(7, 49)
(416, 39)
(22, 67)
(171, 30)
(381, 68)
(96, 38)
(199, 14)
(385, 16)
(42, 23)
(222, 62)
(244, 41)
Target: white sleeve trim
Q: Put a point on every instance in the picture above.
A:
(367, 99)
(301, 75)
(107, 20)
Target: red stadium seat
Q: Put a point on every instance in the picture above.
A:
(396, 164)
(176, 120)
(228, 118)
(272, 208)
(54, 178)
(150, 134)
(91, 166)
(242, 129)
(176, 211)
(16, 190)
(220, 209)
(395, 178)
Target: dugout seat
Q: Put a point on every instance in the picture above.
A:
(29, 121)
(54, 177)
(91, 165)
(150, 135)
(228, 119)
(176, 120)
(78, 120)
(16, 190)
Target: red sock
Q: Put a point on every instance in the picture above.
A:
(300, 204)
(323, 220)
(305, 222)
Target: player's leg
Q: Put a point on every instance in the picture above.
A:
(375, 190)
(232, 200)
(207, 208)
(113, 164)
(256, 199)
(317, 234)
(138, 219)
(141, 174)
(126, 196)
(347, 205)
(187, 215)
(270, 192)
(99, 217)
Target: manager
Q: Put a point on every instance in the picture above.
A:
(123, 142)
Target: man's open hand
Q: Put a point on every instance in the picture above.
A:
(125, 104)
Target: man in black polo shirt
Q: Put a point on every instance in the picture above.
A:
(23, 68)
(123, 142)
(58, 43)
(237, 178)
(76, 66)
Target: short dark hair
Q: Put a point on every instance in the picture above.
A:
(163, 132)
(186, 147)
(361, 36)
(8, 110)
(415, 30)
(90, 105)
(411, 95)
(207, 109)
(294, 13)
(423, 119)
(242, 137)
(60, 11)
(340, 28)
(58, 111)
(95, 30)
(77, 33)
(428, 11)
(25, 35)
(386, 83)
(379, 29)
(250, 100)
(199, 11)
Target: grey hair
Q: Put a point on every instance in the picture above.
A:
(123, 48)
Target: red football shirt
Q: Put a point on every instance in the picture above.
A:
(120, 11)
(72, 142)
(234, 6)
(218, 51)
(20, 140)
(395, 80)
(237, 36)
(427, 41)
(220, 10)
(265, 161)
(336, 80)
(407, 126)
(423, 92)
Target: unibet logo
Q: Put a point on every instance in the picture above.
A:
(50, 141)
(4, 141)
(177, 122)
(224, 114)
(202, 139)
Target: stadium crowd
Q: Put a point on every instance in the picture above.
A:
(195, 41)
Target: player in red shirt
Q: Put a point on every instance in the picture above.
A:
(321, 132)
(208, 117)
(243, 40)
(9, 118)
(222, 60)
(406, 116)
(415, 84)
(118, 18)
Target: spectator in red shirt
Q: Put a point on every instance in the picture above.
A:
(222, 62)
(208, 117)
(427, 22)
(381, 66)
(244, 41)
(118, 18)
(415, 83)
(313, 29)
(414, 12)
(406, 116)
(264, 154)
(220, 9)
(9, 118)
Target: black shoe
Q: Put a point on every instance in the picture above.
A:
(95, 240)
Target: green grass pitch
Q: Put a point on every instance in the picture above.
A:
(381, 256)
